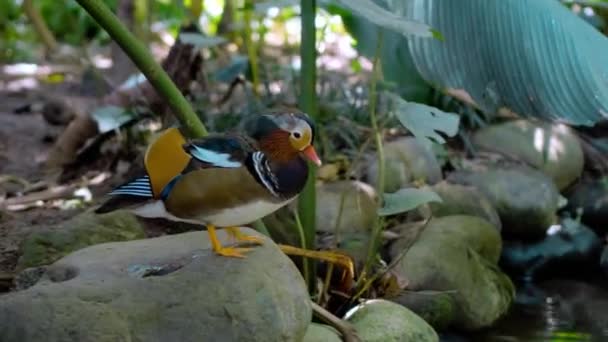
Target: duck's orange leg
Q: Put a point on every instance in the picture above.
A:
(240, 237)
(335, 258)
(235, 252)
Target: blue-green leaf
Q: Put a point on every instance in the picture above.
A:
(263, 6)
(388, 19)
(405, 200)
(425, 122)
(535, 58)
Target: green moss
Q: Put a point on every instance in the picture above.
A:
(43, 248)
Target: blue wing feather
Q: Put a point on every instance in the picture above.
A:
(219, 151)
(139, 187)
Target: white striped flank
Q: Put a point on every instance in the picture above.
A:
(214, 158)
(139, 187)
(260, 164)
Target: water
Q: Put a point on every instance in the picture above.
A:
(556, 310)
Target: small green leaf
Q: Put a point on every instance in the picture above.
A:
(425, 121)
(199, 40)
(437, 35)
(387, 19)
(133, 81)
(264, 6)
(111, 117)
(238, 66)
(405, 200)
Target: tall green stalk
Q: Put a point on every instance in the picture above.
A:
(40, 26)
(373, 96)
(308, 104)
(250, 46)
(147, 65)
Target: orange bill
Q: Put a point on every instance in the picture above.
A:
(311, 155)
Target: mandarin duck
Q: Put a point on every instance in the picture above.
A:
(227, 180)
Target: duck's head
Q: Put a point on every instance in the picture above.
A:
(285, 135)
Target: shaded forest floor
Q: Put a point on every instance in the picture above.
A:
(25, 139)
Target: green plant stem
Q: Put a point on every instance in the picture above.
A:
(250, 46)
(141, 15)
(195, 9)
(377, 228)
(301, 234)
(40, 26)
(308, 104)
(261, 227)
(146, 63)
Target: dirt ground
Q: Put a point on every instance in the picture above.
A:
(24, 143)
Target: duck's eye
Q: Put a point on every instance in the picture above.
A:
(297, 135)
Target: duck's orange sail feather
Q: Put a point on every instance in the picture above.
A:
(165, 159)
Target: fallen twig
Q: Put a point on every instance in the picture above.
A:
(349, 333)
(24, 202)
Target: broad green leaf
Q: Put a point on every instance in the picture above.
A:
(199, 40)
(387, 19)
(405, 200)
(535, 58)
(425, 122)
(111, 117)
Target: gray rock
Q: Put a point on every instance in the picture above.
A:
(384, 321)
(532, 142)
(458, 255)
(406, 160)
(463, 200)
(45, 247)
(591, 197)
(321, 333)
(29, 277)
(172, 288)
(396, 173)
(345, 207)
(526, 200)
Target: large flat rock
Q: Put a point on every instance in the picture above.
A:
(171, 288)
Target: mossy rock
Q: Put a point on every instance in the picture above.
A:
(458, 255)
(384, 321)
(45, 247)
(321, 333)
(435, 307)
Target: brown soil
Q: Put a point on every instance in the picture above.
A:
(24, 142)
